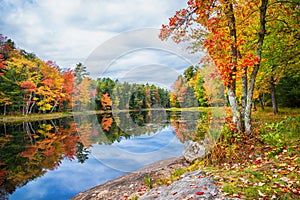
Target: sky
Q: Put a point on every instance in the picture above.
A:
(115, 38)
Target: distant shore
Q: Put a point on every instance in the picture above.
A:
(57, 115)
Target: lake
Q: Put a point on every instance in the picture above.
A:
(57, 159)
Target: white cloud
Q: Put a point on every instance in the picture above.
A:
(67, 31)
(134, 51)
(143, 151)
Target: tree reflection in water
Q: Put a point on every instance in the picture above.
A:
(29, 149)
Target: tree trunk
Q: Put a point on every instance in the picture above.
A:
(236, 115)
(244, 95)
(53, 107)
(273, 94)
(28, 102)
(261, 36)
(254, 106)
(261, 102)
(30, 109)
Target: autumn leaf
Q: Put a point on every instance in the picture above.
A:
(199, 193)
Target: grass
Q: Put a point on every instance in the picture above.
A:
(266, 166)
(34, 117)
(148, 181)
(176, 175)
(48, 116)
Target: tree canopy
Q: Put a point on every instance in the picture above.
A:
(233, 34)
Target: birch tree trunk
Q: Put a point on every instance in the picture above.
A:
(236, 115)
(261, 36)
(31, 107)
(244, 95)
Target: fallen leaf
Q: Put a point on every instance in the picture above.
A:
(261, 194)
(169, 183)
(295, 191)
(236, 195)
(251, 154)
(260, 184)
(224, 194)
(213, 193)
(199, 193)
(258, 161)
(194, 186)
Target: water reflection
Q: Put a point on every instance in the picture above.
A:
(30, 149)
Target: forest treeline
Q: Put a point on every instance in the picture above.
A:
(30, 85)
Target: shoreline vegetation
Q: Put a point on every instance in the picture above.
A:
(48, 116)
(262, 114)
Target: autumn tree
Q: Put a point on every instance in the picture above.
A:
(81, 99)
(226, 30)
(6, 46)
(210, 86)
(183, 94)
(281, 50)
(67, 89)
(6, 98)
(195, 79)
(106, 102)
(29, 84)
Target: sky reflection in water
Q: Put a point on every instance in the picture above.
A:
(72, 177)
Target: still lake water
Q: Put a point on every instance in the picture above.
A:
(57, 159)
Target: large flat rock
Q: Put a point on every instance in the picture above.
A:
(130, 183)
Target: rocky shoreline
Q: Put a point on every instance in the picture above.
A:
(133, 183)
(191, 185)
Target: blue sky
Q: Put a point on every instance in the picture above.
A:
(119, 32)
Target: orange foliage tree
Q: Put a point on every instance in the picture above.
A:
(106, 101)
(232, 34)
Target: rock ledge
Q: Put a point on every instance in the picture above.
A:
(129, 184)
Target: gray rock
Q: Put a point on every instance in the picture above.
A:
(194, 185)
(193, 150)
(130, 183)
